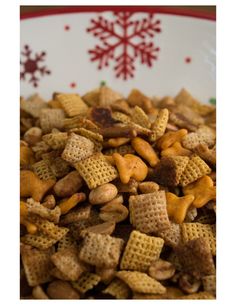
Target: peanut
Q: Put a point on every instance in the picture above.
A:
(33, 135)
(103, 194)
(161, 270)
(68, 185)
(62, 290)
(113, 212)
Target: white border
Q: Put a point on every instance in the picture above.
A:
(226, 115)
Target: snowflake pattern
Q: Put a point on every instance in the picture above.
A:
(123, 41)
(32, 66)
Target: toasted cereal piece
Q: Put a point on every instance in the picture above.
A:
(209, 218)
(160, 124)
(185, 98)
(121, 117)
(68, 263)
(77, 148)
(37, 208)
(194, 230)
(38, 240)
(60, 167)
(36, 265)
(169, 170)
(91, 135)
(118, 289)
(38, 293)
(137, 98)
(43, 170)
(77, 214)
(51, 118)
(141, 282)
(202, 295)
(101, 250)
(49, 228)
(177, 207)
(140, 251)
(196, 258)
(172, 235)
(107, 96)
(106, 274)
(139, 117)
(58, 289)
(195, 169)
(33, 105)
(56, 140)
(67, 241)
(96, 170)
(72, 104)
(148, 212)
(209, 283)
(91, 98)
(86, 282)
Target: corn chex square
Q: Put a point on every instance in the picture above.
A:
(141, 282)
(72, 104)
(140, 251)
(101, 250)
(96, 170)
(37, 264)
(148, 212)
(77, 148)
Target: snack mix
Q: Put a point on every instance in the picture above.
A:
(118, 197)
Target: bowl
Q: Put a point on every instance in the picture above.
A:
(158, 50)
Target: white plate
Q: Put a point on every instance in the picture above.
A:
(59, 43)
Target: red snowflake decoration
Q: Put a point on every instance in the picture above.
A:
(32, 66)
(123, 40)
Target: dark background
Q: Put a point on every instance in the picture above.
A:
(211, 9)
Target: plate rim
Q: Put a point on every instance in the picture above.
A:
(184, 12)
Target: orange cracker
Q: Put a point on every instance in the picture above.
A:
(140, 251)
